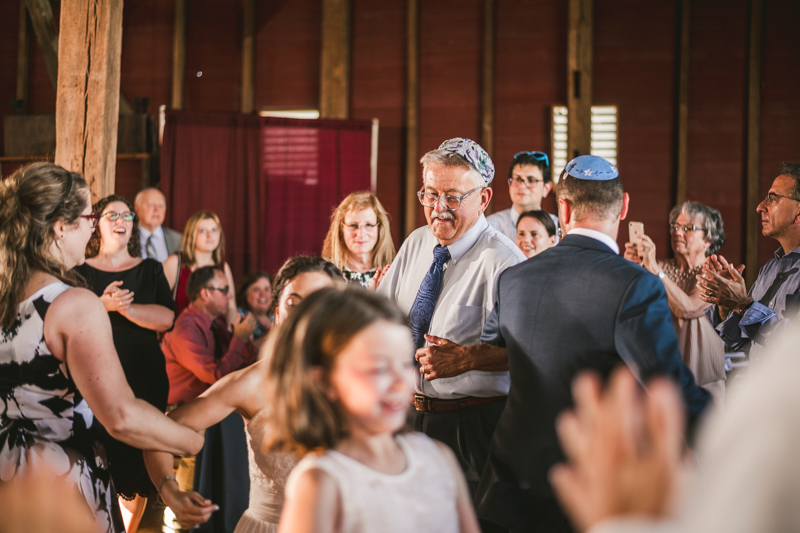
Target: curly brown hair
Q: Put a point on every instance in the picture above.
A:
(134, 246)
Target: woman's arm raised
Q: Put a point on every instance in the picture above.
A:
(78, 331)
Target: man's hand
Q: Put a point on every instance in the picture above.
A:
(376, 281)
(623, 449)
(727, 291)
(245, 327)
(443, 359)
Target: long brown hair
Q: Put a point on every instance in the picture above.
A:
(312, 336)
(96, 240)
(31, 200)
(188, 257)
(334, 248)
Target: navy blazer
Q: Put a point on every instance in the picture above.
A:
(574, 307)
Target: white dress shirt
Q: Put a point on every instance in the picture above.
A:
(469, 288)
(598, 236)
(159, 243)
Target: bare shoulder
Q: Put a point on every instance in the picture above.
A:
(241, 390)
(77, 302)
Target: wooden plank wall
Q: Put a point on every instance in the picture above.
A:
(633, 67)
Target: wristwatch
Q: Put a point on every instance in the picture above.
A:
(662, 275)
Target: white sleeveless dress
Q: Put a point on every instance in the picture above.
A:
(423, 498)
(268, 475)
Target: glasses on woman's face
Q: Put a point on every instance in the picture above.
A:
(685, 227)
(113, 216)
(93, 219)
(366, 226)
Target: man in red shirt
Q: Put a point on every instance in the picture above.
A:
(199, 350)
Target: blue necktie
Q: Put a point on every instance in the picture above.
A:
(422, 309)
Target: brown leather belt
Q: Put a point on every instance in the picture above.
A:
(434, 405)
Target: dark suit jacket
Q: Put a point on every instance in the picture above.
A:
(575, 307)
(173, 240)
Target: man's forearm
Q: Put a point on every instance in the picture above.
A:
(484, 357)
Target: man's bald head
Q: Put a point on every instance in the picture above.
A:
(151, 208)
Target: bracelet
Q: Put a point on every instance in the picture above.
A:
(164, 480)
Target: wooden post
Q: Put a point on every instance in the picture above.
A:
(753, 219)
(579, 78)
(412, 117)
(44, 26)
(178, 54)
(248, 55)
(87, 99)
(682, 138)
(487, 84)
(23, 55)
(335, 65)
(373, 156)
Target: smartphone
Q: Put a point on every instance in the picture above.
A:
(635, 232)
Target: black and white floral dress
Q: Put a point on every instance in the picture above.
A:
(44, 420)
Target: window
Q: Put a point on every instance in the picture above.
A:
(604, 135)
(311, 114)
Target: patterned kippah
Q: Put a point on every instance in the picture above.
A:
(591, 168)
(474, 154)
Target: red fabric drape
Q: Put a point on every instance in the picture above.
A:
(273, 182)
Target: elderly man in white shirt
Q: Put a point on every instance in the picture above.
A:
(445, 278)
(157, 242)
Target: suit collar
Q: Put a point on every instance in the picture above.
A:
(582, 241)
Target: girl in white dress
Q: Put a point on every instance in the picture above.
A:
(339, 383)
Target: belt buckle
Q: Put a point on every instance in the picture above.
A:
(421, 403)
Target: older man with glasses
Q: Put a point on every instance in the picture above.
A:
(529, 180)
(445, 278)
(747, 321)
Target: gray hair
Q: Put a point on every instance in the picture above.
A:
(138, 198)
(706, 216)
(449, 159)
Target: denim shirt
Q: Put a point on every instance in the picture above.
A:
(776, 300)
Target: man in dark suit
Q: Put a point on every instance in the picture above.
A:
(157, 242)
(577, 306)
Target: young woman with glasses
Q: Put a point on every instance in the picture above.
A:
(696, 231)
(139, 303)
(359, 241)
(61, 371)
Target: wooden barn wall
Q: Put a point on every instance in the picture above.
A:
(635, 55)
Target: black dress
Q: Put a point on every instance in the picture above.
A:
(142, 361)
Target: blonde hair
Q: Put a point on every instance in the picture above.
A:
(188, 257)
(31, 200)
(334, 248)
(312, 336)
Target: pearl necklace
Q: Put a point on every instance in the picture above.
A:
(681, 276)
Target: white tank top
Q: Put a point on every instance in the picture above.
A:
(421, 498)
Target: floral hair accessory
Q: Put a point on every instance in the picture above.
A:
(474, 154)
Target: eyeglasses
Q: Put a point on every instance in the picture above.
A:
(524, 182)
(539, 156)
(127, 216)
(772, 198)
(224, 290)
(353, 228)
(93, 219)
(686, 229)
(451, 203)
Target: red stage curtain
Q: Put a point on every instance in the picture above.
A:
(273, 182)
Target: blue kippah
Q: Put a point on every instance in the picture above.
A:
(474, 154)
(591, 168)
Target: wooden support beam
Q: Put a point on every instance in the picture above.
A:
(178, 54)
(248, 56)
(334, 97)
(23, 54)
(487, 83)
(579, 78)
(753, 219)
(682, 122)
(44, 26)
(412, 117)
(87, 99)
